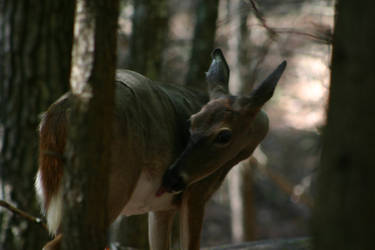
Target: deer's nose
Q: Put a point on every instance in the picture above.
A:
(175, 179)
(173, 182)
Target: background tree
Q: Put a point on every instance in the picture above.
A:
(203, 42)
(240, 181)
(344, 210)
(33, 35)
(86, 174)
(148, 38)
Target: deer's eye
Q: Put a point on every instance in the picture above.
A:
(224, 136)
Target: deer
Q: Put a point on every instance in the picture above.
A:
(173, 147)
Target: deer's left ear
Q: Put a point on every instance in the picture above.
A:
(217, 75)
(265, 90)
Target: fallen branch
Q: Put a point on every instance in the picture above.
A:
(23, 214)
(272, 244)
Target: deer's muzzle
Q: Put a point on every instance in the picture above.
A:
(172, 183)
(175, 179)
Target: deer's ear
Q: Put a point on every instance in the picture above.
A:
(217, 75)
(265, 90)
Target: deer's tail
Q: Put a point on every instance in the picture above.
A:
(48, 183)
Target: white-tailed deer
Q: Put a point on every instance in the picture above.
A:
(172, 149)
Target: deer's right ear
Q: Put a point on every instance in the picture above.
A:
(265, 90)
(217, 75)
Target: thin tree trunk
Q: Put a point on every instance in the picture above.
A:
(35, 45)
(240, 179)
(239, 46)
(344, 211)
(203, 43)
(90, 130)
(240, 183)
(149, 36)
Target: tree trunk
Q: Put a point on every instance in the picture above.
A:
(149, 36)
(240, 183)
(239, 46)
(344, 212)
(35, 44)
(90, 128)
(203, 43)
(240, 179)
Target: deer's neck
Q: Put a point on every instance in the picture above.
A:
(155, 113)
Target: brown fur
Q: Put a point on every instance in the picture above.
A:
(51, 150)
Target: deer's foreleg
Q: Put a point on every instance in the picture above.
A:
(191, 217)
(159, 229)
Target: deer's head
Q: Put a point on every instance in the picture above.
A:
(227, 129)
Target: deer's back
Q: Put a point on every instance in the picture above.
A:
(151, 116)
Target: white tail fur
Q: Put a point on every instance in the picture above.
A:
(54, 210)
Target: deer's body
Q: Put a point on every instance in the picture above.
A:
(156, 153)
(149, 133)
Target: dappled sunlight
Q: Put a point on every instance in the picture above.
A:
(301, 99)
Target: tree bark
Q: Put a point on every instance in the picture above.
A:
(344, 212)
(85, 181)
(203, 43)
(35, 45)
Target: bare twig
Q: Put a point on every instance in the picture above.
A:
(23, 214)
(322, 33)
(285, 185)
(263, 52)
(259, 15)
(260, 163)
(322, 37)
